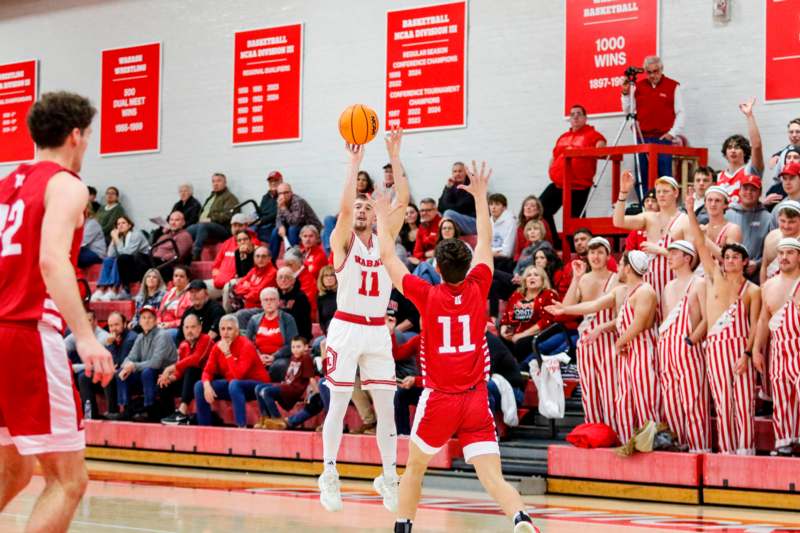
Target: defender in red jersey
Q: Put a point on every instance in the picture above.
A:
(41, 215)
(454, 359)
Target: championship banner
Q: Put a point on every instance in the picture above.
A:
(130, 100)
(18, 89)
(602, 40)
(426, 67)
(782, 65)
(267, 84)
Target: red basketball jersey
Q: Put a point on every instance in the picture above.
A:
(23, 295)
(454, 356)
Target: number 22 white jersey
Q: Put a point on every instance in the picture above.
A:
(364, 284)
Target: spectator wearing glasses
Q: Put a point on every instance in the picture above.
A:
(427, 232)
(579, 135)
(658, 104)
(293, 213)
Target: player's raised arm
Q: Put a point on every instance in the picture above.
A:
(396, 219)
(479, 189)
(698, 238)
(383, 213)
(606, 301)
(344, 223)
(65, 200)
(620, 219)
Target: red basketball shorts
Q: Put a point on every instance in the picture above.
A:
(466, 415)
(39, 406)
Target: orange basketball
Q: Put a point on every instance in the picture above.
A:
(358, 124)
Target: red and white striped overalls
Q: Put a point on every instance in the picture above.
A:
(597, 368)
(682, 376)
(639, 396)
(734, 395)
(658, 272)
(784, 327)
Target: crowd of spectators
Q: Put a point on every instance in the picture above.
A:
(254, 331)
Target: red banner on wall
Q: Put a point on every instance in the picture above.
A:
(602, 40)
(18, 89)
(782, 66)
(267, 84)
(130, 100)
(426, 67)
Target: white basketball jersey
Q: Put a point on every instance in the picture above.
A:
(364, 285)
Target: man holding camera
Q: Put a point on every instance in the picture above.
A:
(658, 104)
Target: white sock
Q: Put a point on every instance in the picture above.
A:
(386, 431)
(333, 428)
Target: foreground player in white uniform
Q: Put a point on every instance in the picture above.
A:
(357, 339)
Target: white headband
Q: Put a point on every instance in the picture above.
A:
(792, 205)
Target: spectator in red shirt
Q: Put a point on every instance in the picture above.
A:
(289, 391)
(314, 259)
(531, 209)
(579, 135)
(175, 302)
(192, 356)
(224, 268)
(232, 373)
(525, 315)
(427, 233)
(271, 331)
(245, 292)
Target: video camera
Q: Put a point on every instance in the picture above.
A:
(631, 72)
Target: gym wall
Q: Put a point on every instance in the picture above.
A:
(515, 89)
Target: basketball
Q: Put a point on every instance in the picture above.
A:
(358, 124)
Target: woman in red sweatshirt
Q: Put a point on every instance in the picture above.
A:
(232, 373)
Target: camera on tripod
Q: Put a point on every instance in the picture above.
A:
(631, 72)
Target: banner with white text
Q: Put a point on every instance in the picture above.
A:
(426, 67)
(267, 84)
(18, 90)
(130, 100)
(782, 66)
(602, 39)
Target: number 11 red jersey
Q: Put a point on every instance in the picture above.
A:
(454, 356)
(23, 295)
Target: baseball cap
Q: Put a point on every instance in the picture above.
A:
(274, 176)
(683, 246)
(638, 261)
(668, 180)
(753, 181)
(197, 284)
(148, 309)
(792, 169)
(239, 218)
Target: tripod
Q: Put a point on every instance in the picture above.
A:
(636, 131)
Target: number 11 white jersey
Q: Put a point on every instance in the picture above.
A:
(364, 284)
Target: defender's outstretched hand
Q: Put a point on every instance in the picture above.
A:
(382, 204)
(478, 180)
(393, 139)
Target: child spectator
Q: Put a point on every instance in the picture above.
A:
(289, 391)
